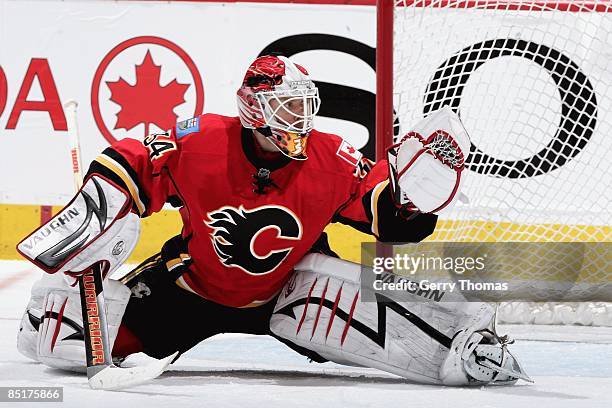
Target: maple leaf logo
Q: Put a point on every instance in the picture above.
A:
(147, 101)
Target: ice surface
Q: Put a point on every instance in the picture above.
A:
(571, 369)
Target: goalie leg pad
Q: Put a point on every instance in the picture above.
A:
(320, 309)
(27, 337)
(58, 341)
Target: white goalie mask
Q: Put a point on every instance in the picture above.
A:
(278, 97)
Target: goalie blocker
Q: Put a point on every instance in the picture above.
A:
(97, 226)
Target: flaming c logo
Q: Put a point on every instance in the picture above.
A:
(134, 94)
(256, 240)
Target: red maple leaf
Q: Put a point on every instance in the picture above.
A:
(147, 101)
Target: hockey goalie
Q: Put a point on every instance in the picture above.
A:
(255, 193)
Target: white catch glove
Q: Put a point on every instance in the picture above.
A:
(425, 167)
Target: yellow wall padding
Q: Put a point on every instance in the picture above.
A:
(17, 221)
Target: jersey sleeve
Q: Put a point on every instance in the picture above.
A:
(372, 210)
(139, 166)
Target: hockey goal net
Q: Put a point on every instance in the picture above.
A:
(532, 82)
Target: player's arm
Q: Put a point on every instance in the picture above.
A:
(139, 167)
(398, 199)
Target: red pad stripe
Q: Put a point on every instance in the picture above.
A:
(333, 312)
(348, 321)
(306, 306)
(314, 328)
(60, 315)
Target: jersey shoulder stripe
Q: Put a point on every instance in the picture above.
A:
(113, 165)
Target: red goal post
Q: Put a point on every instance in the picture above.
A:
(532, 81)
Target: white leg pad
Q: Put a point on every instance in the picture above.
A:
(59, 340)
(27, 337)
(320, 309)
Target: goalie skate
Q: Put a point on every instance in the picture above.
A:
(482, 357)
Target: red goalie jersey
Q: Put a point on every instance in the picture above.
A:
(247, 220)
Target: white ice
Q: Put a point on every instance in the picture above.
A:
(572, 367)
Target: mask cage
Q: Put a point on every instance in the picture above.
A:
(299, 106)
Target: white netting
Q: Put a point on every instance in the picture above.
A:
(532, 82)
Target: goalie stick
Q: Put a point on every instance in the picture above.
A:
(101, 372)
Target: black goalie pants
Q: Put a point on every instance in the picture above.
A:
(166, 318)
